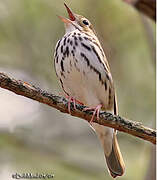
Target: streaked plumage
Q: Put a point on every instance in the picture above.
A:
(84, 74)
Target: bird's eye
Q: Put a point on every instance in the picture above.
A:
(85, 22)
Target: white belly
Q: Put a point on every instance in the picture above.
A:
(83, 84)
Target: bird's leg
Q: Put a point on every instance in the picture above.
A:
(70, 100)
(96, 111)
(73, 100)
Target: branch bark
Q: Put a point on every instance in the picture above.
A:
(107, 119)
(147, 7)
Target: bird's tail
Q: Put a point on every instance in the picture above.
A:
(114, 160)
(108, 139)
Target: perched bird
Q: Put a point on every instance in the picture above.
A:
(85, 77)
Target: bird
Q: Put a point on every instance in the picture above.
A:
(85, 77)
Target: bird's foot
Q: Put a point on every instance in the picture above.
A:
(73, 100)
(96, 111)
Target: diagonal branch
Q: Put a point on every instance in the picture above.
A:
(60, 103)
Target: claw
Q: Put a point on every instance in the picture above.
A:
(72, 100)
(96, 111)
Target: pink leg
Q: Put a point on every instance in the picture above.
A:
(74, 101)
(96, 112)
(71, 99)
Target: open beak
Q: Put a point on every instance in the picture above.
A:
(65, 20)
(71, 16)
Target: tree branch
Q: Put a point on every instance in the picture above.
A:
(107, 119)
(147, 7)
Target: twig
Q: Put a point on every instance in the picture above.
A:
(107, 119)
(147, 7)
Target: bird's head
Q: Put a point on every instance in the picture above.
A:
(76, 21)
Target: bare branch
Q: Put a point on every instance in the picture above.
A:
(60, 103)
(147, 7)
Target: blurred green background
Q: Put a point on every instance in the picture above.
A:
(36, 138)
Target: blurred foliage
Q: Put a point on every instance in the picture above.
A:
(29, 31)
